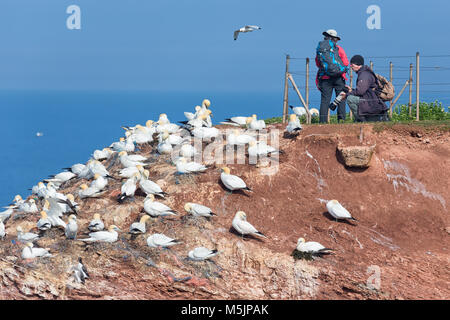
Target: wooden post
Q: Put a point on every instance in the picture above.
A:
(410, 88)
(371, 65)
(351, 86)
(391, 68)
(307, 88)
(308, 114)
(417, 85)
(401, 91)
(286, 87)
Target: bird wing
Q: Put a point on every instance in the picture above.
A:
(201, 210)
(339, 211)
(233, 181)
(236, 33)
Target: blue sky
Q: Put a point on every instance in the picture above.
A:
(187, 45)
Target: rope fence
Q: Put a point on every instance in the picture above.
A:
(401, 75)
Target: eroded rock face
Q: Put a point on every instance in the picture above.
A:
(356, 156)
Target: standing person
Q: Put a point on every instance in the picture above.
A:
(332, 73)
(363, 100)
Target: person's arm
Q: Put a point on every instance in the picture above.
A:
(343, 56)
(362, 86)
(317, 62)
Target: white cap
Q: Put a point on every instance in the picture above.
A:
(331, 33)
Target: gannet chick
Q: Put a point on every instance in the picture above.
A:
(26, 236)
(189, 167)
(312, 247)
(232, 182)
(103, 236)
(159, 240)
(139, 227)
(96, 224)
(150, 187)
(202, 253)
(241, 225)
(80, 271)
(338, 211)
(198, 210)
(71, 227)
(294, 124)
(30, 253)
(157, 209)
(44, 223)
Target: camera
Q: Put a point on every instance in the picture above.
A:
(333, 105)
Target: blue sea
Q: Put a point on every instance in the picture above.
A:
(74, 124)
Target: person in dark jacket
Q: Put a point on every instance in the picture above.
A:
(363, 100)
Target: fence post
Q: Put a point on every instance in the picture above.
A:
(286, 87)
(351, 86)
(410, 88)
(391, 67)
(417, 85)
(307, 83)
(371, 65)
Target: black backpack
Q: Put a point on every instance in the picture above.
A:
(330, 61)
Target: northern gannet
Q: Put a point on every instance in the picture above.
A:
(150, 187)
(128, 188)
(77, 168)
(202, 253)
(139, 227)
(299, 111)
(236, 121)
(164, 147)
(205, 133)
(254, 124)
(38, 189)
(54, 213)
(157, 209)
(68, 204)
(173, 139)
(44, 223)
(2, 230)
(103, 154)
(5, 215)
(245, 29)
(236, 138)
(131, 160)
(71, 227)
(260, 148)
(26, 236)
(314, 112)
(232, 182)
(188, 151)
(24, 206)
(96, 223)
(103, 236)
(189, 167)
(243, 227)
(159, 240)
(338, 211)
(311, 247)
(294, 124)
(61, 177)
(30, 253)
(129, 171)
(87, 192)
(198, 210)
(99, 182)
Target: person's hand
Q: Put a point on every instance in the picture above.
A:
(349, 88)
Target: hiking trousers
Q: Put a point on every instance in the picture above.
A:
(326, 87)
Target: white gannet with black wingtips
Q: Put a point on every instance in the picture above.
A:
(312, 247)
(245, 29)
(26, 236)
(236, 121)
(38, 189)
(29, 252)
(76, 169)
(190, 115)
(103, 236)
(173, 139)
(71, 227)
(338, 212)
(254, 124)
(159, 240)
(198, 210)
(96, 223)
(139, 227)
(128, 188)
(99, 182)
(241, 225)
(205, 133)
(150, 187)
(164, 124)
(54, 213)
(96, 167)
(239, 139)
(157, 209)
(232, 182)
(299, 111)
(5, 215)
(80, 271)
(44, 223)
(131, 160)
(183, 166)
(86, 192)
(187, 150)
(202, 253)
(164, 147)
(142, 135)
(68, 204)
(260, 148)
(119, 146)
(130, 171)
(103, 154)
(60, 178)
(294, 125)
(25, 206)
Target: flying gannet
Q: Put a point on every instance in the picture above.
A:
(245, 29)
